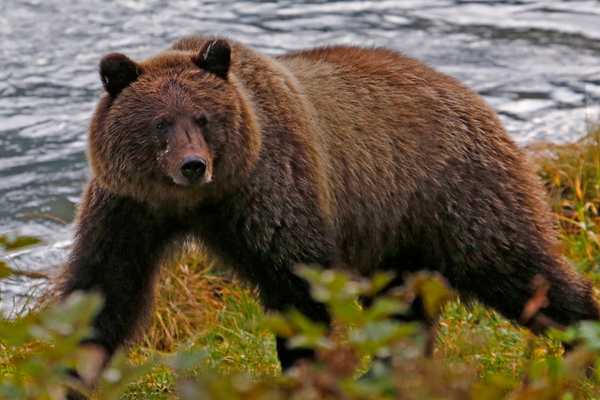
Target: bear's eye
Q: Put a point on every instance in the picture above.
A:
(202, 121)
(161, 126)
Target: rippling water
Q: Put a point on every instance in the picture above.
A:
(536, 62)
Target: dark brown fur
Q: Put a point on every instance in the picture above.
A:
(346, 157)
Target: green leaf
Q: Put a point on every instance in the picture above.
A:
(19, 242)
(589, 331)
(5, 272)
(185, 360)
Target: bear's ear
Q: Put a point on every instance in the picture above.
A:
(117, 72)
(214, 57)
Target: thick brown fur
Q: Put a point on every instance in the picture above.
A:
(342, 156)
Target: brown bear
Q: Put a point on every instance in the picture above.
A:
(363, 159)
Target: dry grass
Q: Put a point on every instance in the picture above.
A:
(571, 174)
(189, 299)
(199, 304)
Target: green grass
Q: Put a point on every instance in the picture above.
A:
(493, 344)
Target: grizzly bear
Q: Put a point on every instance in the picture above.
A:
(345, 157)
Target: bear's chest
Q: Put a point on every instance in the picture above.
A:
(254, 239)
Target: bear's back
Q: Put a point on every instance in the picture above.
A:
(403, 138)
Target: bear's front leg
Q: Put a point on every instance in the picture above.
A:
(281, 292)
(118, 246)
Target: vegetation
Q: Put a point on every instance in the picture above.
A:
(210, 340)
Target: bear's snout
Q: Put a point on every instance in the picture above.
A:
(193, 168)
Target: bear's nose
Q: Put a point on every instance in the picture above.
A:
(193, 168)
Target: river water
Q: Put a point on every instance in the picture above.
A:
(537, 63)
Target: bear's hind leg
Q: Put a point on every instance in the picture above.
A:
(493, 238)
(516, 290)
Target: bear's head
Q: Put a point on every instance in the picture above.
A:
(176, 125)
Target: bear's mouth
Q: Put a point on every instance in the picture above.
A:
(170, 181)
